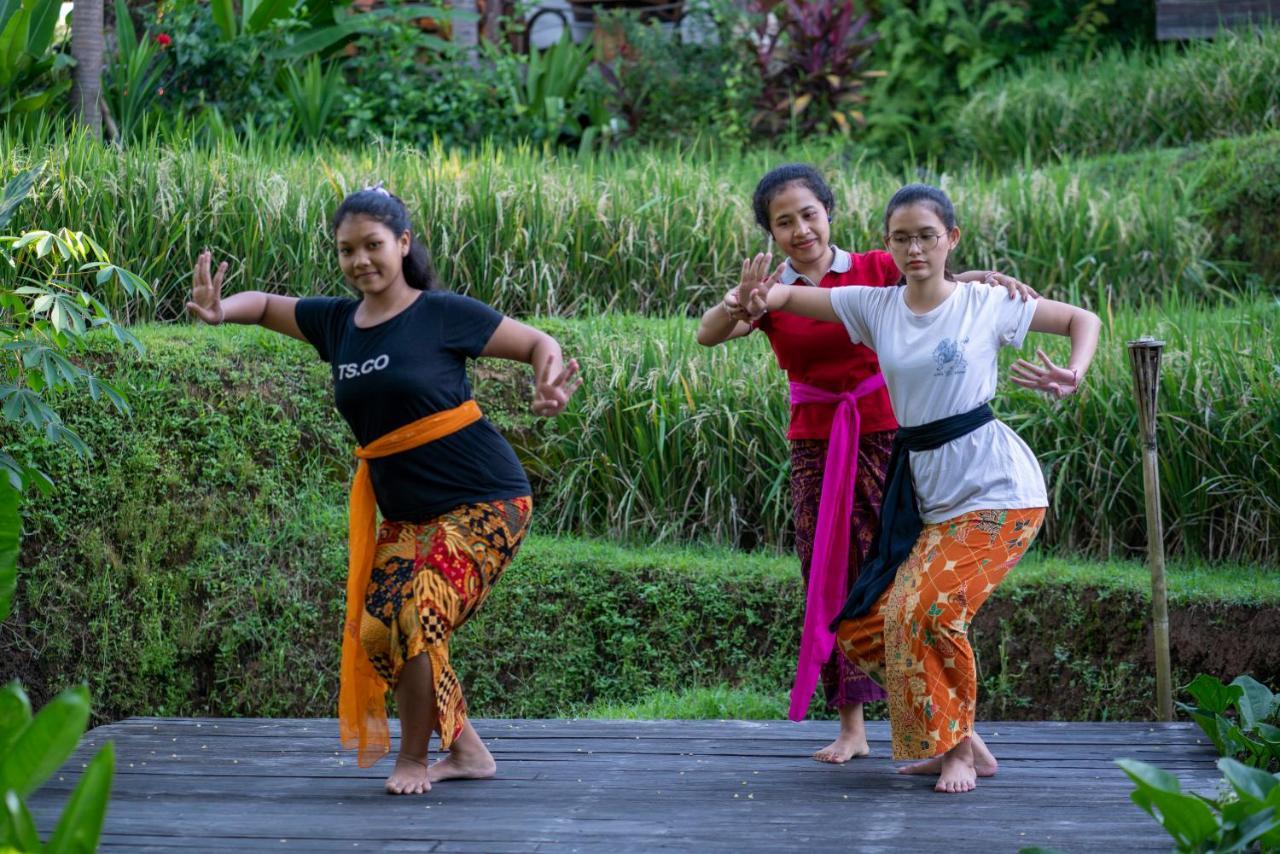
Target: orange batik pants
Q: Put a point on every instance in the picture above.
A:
(915, 641)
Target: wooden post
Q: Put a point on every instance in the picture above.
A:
(1144, 356)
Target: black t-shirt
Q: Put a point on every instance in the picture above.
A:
(403, 369)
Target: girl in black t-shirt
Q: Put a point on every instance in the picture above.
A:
(454, 499)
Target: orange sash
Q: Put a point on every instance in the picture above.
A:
(362, 705)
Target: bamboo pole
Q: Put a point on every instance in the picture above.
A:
(1144, 356)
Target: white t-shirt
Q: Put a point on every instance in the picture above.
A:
(943, 363)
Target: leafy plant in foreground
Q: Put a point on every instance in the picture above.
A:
(1252, 736)
(1247, 814)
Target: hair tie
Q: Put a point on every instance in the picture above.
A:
(377, 187)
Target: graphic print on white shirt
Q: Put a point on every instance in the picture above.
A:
(949, 355)
(944, 363)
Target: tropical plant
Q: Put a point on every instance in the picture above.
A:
(668, 89)
(1253, 735)
(319, 26)
(1245, 818)
(548, 93)
(811, 59)
(29, 63)
(394, 93)
(133, 80)
(46, 308)
(33, 748)
(933, 53)
(313, 95)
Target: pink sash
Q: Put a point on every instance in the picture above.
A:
(829, 569)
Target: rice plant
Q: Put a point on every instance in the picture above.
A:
(671, 442)
(1127, 101)
(644, 232)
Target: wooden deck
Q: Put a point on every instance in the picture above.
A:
(576, 785)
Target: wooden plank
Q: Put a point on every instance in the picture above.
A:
(877, 731)
(1190, 19)
(622, 786)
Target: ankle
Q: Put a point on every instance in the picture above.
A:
(405, 757)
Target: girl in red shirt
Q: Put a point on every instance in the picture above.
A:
(838, 398)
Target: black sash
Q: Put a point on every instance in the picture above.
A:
(900, 523)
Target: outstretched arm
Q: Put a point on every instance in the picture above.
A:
(271, 311)
(554, 383)
(806, 302)
(1082, 327)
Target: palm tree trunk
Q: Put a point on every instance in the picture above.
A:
(466, 34)
(87, 49)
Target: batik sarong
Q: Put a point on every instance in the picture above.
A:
(843, 683)
(430, 578)
(915, 640)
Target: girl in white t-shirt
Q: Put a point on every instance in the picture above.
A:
(965, 495)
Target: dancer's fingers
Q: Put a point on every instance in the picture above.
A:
(1044, 357)
(766, 258)
(1026, 369)
(566, 375)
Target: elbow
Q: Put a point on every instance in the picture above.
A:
(545, 345)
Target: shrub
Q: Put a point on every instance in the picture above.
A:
(936, 53)
(812, 61)
(399, 91)
(669, 90)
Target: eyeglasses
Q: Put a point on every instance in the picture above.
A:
(928, 240)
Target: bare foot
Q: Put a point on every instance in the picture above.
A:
(409, 777)
(957, 774)
(984, 763)
(852, 740)
(844, 748)
(468, 759)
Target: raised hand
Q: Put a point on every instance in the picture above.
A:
(753, 287)
(1050, 379)
(550, 394)
(732, 307)
(206, 290)
(1012, 285)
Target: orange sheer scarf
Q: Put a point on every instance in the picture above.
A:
(362, 709)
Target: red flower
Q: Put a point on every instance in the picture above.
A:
(164, 40)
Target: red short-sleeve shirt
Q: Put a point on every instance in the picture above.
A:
(819, 353)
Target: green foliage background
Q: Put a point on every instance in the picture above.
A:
(196, 567)
(647, 232)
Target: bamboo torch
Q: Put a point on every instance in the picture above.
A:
(1144, 356)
